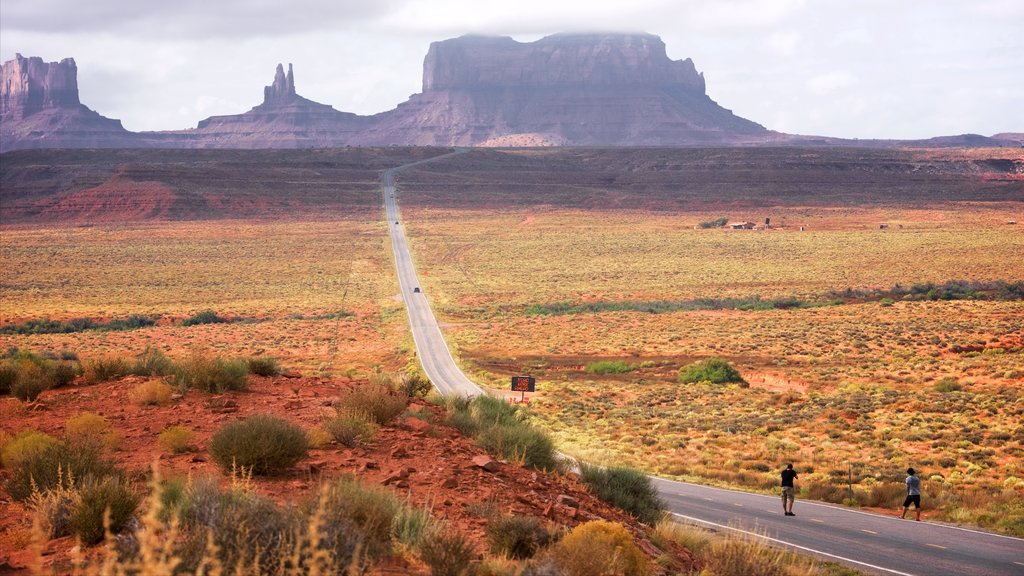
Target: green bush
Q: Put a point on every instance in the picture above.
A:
(502, 429)
(26, 445)
(414, 384)
(152, 362)
(448, 553)
(600, 547)
(609, 367)
(46, 468)
(714, 370)
(263, 366)
(948, 384)
(214, 375)
(95, 498)
(30, 382)
(716, 223)
(102, 369)
(261, 443)
(176, 439)
(627, 489)
(8, 374)
(377, 400)
(204, 317)
(351, 428)
(371, 511)
(516, 536)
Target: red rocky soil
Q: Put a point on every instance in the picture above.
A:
(429, 462)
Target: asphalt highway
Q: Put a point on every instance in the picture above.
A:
(870, 543)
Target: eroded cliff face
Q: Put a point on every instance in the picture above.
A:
(573, 89)
(27, 85)
(39, 107)
(562, 60)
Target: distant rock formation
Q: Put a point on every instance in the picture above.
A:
(283, 120)
(576, 89)
(39, 108)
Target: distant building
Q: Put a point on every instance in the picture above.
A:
(742, 225)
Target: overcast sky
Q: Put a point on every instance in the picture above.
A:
(848, 68)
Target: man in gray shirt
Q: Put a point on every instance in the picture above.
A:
(913, 494)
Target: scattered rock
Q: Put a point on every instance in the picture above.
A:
(416, 425)
(290, 374)
(485, 462)
(399, 453)
(649, 548)
(450, 483)
(567, 500)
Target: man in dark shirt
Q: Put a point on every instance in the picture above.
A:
(788, 491)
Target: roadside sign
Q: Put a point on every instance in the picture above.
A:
(524, 383)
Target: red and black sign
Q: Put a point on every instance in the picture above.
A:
(523, 383)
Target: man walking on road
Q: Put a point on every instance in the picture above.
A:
(913, 494)
(788, 491)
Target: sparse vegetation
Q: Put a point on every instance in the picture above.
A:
(609, 367)
(262, 444)
(204, 317)
(599, 547)
(211, 374)
(352, 428)
(516, 536)
(376, 399)
(503, 429)
(45, 469)
(714, 370)
(108, 498)
(629, 489)
(263, 366)
(47, 326)
(151, 393)
(176, 439)
(716, 223)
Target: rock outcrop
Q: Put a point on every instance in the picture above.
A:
(585, 89)
(283, 120)
(39, 108)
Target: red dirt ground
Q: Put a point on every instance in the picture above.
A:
(435, 459)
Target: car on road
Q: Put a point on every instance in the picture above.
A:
(416, 289)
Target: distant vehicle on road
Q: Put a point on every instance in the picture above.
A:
(416, 289)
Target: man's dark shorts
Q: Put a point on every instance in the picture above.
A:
(915, 499)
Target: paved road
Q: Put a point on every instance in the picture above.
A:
(435, 357)
(871, 543)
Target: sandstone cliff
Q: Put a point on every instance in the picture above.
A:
(283, 120)
(575, 89)
(39, 108)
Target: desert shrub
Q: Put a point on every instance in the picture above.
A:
(247, 529)
(520, 443)
(744, 556)
(412, 526)
(627, 489)
(108, 368)
(714, 370)
(176, 439)
(609, 367)
(26, 445)
(30, 381)
(716, 223)
(54, 507)
(151, 393)
(204, 317)
(318, 438)
(948, 384)
(885, 494)
(693, 538)
(377, 400)
(214, 375)
(91, 428)
(8, 374)
(96, 496)
(152, 362)
(263, 366)
(448, 553)
(502, 429)
(414, 384)
(371, 511)
(63, 373)
(351, 428)
(600, 547)
(45, 469)
(516, 536)
(261, 443)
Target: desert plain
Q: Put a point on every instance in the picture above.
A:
(877, 319)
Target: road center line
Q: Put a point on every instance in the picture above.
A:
(868, 531)
(798, 547)
(936, 546)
